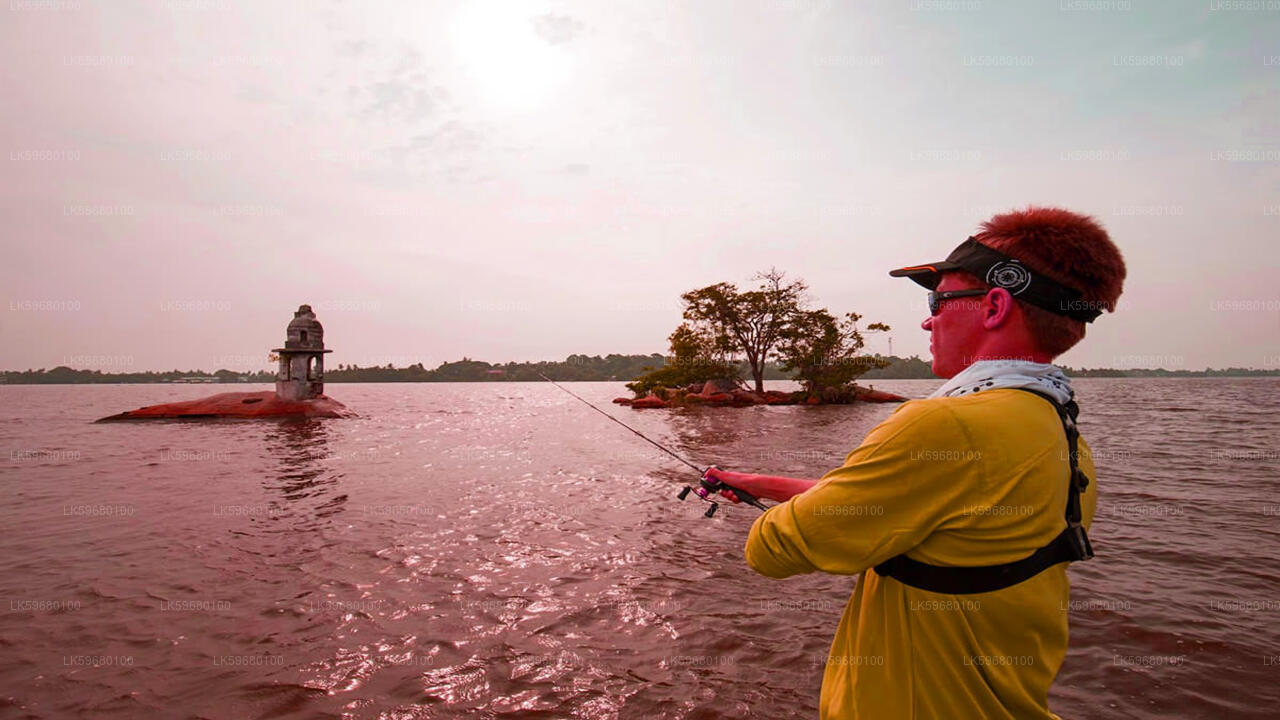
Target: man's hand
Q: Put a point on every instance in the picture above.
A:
(715, 474)
(769, 487)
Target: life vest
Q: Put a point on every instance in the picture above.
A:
(1070, 545)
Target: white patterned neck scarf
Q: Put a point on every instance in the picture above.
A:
(995, 374)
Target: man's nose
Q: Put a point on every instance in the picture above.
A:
(927, 324)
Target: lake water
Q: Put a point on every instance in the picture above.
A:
(499, 550)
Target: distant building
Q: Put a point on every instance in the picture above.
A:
(301, 375)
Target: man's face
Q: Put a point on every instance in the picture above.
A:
(954, 332)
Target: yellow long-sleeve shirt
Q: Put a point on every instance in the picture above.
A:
(974, 480)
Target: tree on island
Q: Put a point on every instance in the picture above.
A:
(823, 353)
(694, 359)
(750, 322)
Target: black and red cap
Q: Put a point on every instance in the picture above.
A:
(1000, 270)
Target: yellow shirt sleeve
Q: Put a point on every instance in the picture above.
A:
(910, 475)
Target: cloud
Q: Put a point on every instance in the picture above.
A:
(1260, 114)
(452, 138)
(557, 29)
(401, 93)
(448, 151)
(396, 99)
(354, 48)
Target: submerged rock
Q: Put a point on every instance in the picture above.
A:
(873, 395)
(650, 401)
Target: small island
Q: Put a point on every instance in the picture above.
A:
(299, 385)
(823, 352)
(724, 391)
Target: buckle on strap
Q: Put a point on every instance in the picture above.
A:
(1078, 541)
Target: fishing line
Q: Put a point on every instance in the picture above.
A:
(637, 432)
(708, 488)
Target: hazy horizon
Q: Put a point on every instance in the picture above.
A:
(522, 182)
(498, 361)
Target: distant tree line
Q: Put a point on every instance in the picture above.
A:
(1161, 372)
(574, 367)
(912, 368)
(63, 375)
(618, 368)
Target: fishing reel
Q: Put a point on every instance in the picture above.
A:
(708, 487)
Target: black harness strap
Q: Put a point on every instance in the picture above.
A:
(1070, 545)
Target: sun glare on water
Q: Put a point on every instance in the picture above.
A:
(507, 62)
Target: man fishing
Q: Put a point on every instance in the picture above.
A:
(960, 511)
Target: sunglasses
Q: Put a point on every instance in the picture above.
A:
(936, 297)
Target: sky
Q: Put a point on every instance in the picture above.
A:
(527, 180)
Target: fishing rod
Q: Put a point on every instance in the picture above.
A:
(707, 487)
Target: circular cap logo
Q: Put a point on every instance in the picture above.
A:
(1009, 275)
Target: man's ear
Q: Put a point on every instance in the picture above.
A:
(997, 308)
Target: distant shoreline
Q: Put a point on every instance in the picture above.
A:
(871, 382)
(611, 368)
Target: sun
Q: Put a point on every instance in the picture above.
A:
(503, 57)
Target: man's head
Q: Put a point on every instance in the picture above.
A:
(1061, 270)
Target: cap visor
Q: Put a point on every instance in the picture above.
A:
(925, 275)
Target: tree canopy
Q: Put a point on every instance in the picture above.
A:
(825, 352)
(775, 321)
(694, 358)
(750, 322)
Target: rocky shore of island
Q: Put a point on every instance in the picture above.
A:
(729, 393)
